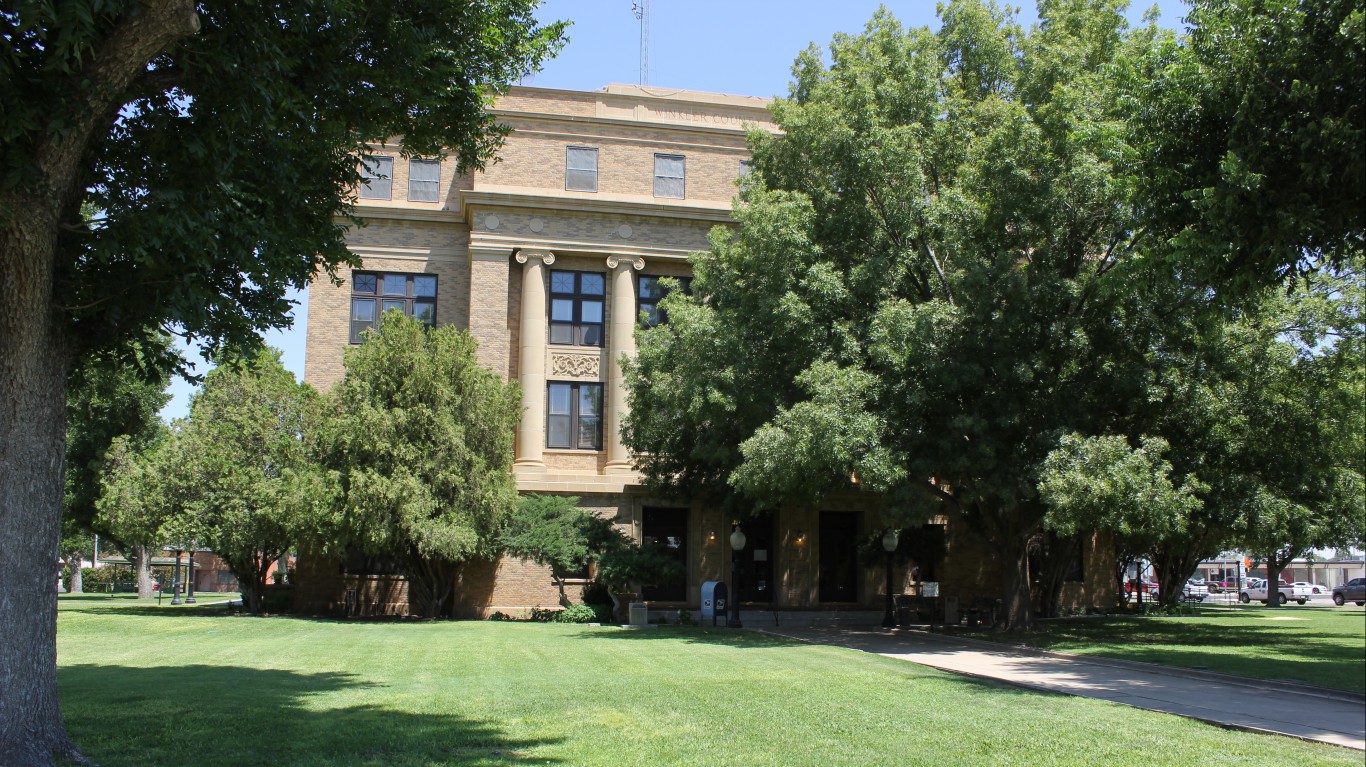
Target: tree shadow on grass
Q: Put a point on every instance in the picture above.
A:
(212, 716)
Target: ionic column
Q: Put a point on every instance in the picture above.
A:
(531, 360)
(621, 342)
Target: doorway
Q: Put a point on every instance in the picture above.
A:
(667, 529)
(838, 557)
(756, 561)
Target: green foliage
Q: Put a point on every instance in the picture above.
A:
(1251, 134)
(101, 578)
(248, 485)
(622, 568)
(920, 283)
(420, 437)
(578, 614)
(218, 163)
(555, 532)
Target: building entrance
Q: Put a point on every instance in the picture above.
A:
(756, 561)
(838, 557)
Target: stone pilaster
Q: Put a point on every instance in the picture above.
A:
(531, 361)
(621, 342)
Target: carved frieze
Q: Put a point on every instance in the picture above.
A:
(574, 365)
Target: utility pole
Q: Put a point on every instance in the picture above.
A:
(641, 9)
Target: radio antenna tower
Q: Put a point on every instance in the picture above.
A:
(641, 9)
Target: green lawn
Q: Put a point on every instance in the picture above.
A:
(1323, 646)
(143, 685)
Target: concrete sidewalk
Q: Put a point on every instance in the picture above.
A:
(1238, 702)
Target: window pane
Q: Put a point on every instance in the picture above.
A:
(581, 180)
(591, 284)
(424, 180)
(651, 312)
(363, 309)
(424, 285)
(588, 433)
(590, 335)
(401, 306)
(377, 175)
(425, 311)
(669, 187)
(358, 330)
(581, 158)
(363, 283)
(557, 431)
(668, 165)
(562, 310)
(559, 399)
(395, 285)
(561, 333)
(590, 311)
(590, 397)
(561, 282)
(649, 287)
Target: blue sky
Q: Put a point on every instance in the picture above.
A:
(726, 46)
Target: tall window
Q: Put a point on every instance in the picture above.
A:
(669, 175)
(649, 291)
(574, 416)
(377, 178)
(373, 293)
(576, 307)
(746, 167)
(424, 181)
(581, 169)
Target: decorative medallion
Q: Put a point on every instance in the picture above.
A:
(491, 221)
(536, 224)
(625, 231)
(574, 365)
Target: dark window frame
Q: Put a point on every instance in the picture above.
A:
(377, 297)
(575, 416)
(578, 329)
(654, 315)
(368, 190)
(568, 152)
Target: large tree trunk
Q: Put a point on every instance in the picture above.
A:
(1273, 581)
(33, 367)
(141, 559)
(1016, 602)
(77, 585)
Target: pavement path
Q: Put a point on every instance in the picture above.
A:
(1229, 701)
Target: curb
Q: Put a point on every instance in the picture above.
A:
(1293, 688)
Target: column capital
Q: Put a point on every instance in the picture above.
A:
(546, 256)
(637, 263)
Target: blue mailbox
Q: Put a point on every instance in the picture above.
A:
(713, 601)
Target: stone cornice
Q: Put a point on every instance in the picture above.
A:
(531, 197)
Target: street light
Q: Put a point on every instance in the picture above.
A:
(175, 581)
(737, 544)
(889, 542)
(189, 577)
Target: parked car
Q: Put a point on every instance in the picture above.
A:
(1285, 592)
(1149, 587)
(1314, 588)
(1351, 591)
(1194, 591)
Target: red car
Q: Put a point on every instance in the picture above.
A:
(1148, 586)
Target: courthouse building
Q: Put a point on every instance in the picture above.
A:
(549, 257)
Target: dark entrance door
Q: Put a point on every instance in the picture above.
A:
(667, 529)
(756, 561)
(838, 556)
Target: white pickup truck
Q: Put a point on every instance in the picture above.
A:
(1257, 589)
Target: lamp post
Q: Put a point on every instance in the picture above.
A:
(189, 577)
(889, 542)
(737, 544)
(175, 581)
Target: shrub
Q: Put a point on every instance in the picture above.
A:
(543, 615)
(578, 614)
(597, 593)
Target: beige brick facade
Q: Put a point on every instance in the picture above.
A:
(487, 233)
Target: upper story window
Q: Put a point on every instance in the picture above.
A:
(669, 175)
(581, 169)
(649, 291)
(574, 416)
(424, 180)
(377, 178)
(746, 167)
(576, 300)
(373, 293)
